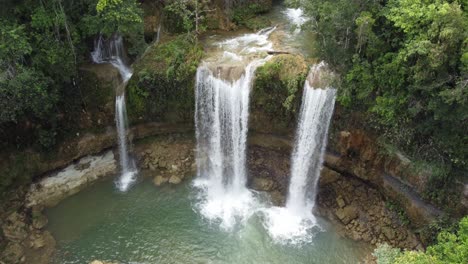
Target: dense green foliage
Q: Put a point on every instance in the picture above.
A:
(451, 247)
(404, 63)
(245, 13)
(42, 44)
(187, 15)
(164, 81)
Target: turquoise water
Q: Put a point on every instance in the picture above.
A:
(151, 224)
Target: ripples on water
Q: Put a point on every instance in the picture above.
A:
(159, 225)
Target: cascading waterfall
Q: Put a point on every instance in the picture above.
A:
(294, 222)
(221, 118)
(158, 34)
(112, 51)
(297, 18)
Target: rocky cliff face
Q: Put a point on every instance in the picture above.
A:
(358, 208)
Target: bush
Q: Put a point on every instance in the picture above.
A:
(451, 247)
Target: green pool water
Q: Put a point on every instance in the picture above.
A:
(151, 224)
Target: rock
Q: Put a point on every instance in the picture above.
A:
(277, 198)
(40, 221)
(101, 262)
(70, 180)
(174, 179)
(37, 241)
(14, 228)
(347, 214)
(389, 232)
(159, 180)
(13, 253)
(328, 176)
(340, 201)
(263, 184)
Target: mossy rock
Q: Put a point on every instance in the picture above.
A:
(277, 93)
(98, 84)
(161, 88)
(245, 13)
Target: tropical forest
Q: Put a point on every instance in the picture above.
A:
(233, 131)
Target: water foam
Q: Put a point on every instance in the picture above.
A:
(295, 222)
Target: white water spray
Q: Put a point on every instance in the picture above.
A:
(221, 118)
(112, 51)
(293, 223)
(158, 34)
(296, 16)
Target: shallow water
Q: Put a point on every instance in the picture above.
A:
(151, 224)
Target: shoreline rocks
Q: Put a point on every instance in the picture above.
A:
(70, 180)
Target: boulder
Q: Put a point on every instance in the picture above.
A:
(159, 180)
(174, 179)
(40, 221)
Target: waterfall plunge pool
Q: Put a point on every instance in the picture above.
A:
(151, 224)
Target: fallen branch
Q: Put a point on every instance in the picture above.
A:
(274, 52)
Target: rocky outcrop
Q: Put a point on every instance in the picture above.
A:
(276, 95)
(359, 209)
(167, 159)
(26, 241)
(362, 211)
(361, 157)
(54, 188)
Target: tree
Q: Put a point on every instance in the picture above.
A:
(191, 13)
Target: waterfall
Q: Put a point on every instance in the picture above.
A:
(294, 222)
(222, 92)
(311, 139)
(112, 51)
(297, 18)
(158, 34)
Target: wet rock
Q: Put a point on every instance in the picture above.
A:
(263, 184)
(174, 179)
(159, 180)
(40, 221)
(102, 262)
(13, 253)
(37, 241)
(14, 227)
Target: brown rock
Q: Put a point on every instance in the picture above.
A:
(174, 179)
(347, 214)
(263, 184)
(159, 180)
(328, 176)
(40, 221)
(14, 228)
(13, 253)
(340, 201)
(389, 232)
